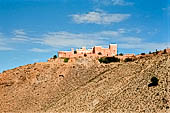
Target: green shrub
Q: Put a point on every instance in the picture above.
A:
(157, 51)
(75, 52)
(121, 54)
(99, 53)
(85, 55)
(55, 56)
(66, 59)
(154, 81)
(101, 60)
(128, 60)
(109, 59)
(164, 52)
(142, 53)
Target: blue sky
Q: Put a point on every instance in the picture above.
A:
(34, 30)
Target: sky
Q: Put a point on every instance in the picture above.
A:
(34, 30)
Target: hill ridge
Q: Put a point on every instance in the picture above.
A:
(86, 85)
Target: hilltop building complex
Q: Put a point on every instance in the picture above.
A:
(95, 51)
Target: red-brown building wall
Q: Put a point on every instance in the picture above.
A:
(96, 51)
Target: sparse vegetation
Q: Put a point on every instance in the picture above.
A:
(128, 60)
(129, 80)
(75, 52)
(109, 59)
(99, 53)
(142, 53)
(61, 75)
(154, 81)
(121, 54)
(55, 56)
(157, 51)
(66, 59)
(167, 107)
(3, 71)
(164, 52)
(85, 55)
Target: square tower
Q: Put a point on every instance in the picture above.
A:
(113, 49)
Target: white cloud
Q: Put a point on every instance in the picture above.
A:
(19, 39)
(145, 46)
(128, 30)
(99, 18)
(121, 2)
(121, 30)
(67, 40)
(108, 33)
(58, 39)
(19, 32)
(114, 2)
(6, 48)
(20, 35)
(40, 50)
(130, 40)
(3, 44)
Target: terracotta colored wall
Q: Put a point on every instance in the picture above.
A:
(168, 50)
(97, 49)
(106, 52)
(112, 50)
(65, 54)
(61, 54)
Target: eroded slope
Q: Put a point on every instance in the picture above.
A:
(87, 86)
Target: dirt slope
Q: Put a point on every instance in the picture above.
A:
(87, 86)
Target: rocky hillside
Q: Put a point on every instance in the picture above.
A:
(88, 86)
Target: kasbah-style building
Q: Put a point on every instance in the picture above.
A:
(96, 51)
